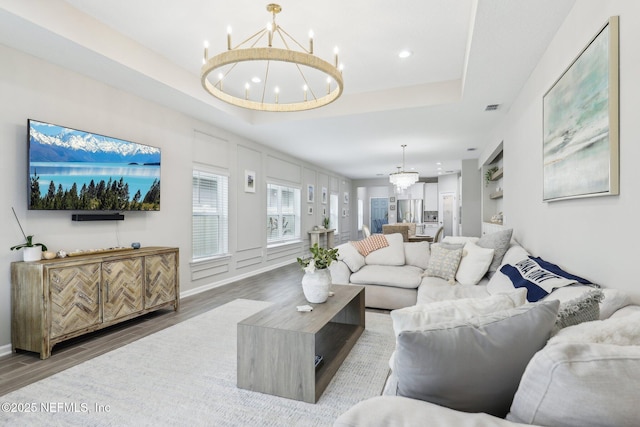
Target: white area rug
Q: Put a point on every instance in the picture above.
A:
(185, 375)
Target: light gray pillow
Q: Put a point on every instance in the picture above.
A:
(499, 242)
(585, 308)
(473, 365)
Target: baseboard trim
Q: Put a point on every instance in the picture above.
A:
(5, 350)
(213, 285)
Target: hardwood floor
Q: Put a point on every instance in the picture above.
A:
(20, 369)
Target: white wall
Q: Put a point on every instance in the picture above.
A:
(32, 88)
(592, 237)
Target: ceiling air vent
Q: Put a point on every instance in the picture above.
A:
(491, 107)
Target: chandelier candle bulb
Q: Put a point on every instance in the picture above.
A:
(305, 88)
(311, 42)
(220, 77)
(270, 31)
(246, 91)
(229, 38)
(277, 91)
(335, 53)
(206, 51)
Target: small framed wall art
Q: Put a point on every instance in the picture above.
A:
(249, 181)
(310, 193)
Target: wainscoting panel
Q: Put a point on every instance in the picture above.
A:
(248, 257)
(211, 268)
(285, 252)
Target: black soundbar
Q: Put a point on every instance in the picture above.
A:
(97, 217)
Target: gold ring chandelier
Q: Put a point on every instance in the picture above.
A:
(223, 75)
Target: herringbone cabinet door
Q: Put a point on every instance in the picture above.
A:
(161, 279)
(121, 287)
(74, 293)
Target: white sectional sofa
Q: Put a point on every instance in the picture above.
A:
(396, 276)
(483, 355)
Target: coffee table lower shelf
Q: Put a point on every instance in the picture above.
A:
(277, 346)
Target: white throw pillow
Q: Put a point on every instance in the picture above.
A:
(417, 254)
(348, 254)
(474, 264)
(391, 255)
(418, 317)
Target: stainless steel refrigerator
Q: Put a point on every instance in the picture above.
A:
(410, 210)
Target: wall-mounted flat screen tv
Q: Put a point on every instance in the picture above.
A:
(70, 169)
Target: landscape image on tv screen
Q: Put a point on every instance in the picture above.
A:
(71, 169)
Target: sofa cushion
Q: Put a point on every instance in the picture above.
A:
(370, 244)
(473, 365)
(595, 364)
(390, 255)
(499, 242)
(417, 254)
(460, 240)
(434, 289)
(443, 262)
(350, 256)
(404, 276)
(420, 316)
(474, 264)
(395, 411)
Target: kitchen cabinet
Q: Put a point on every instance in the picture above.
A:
(55, 300)
(431, 196)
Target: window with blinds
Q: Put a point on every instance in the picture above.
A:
(283, 214)
(210, 222)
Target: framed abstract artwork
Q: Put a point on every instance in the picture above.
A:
(581, 123)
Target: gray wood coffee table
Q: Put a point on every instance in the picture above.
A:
(277, 346)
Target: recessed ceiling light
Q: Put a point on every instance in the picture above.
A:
(405, 53)
(439, 163)
(256, 79)
(471, 149)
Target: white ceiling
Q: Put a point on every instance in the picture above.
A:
(466, 54)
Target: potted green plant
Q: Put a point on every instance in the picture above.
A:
(32, 251)
(325, 222)
(489, 174)
(317, 278)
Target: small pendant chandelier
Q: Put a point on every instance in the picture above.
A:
(401, 179)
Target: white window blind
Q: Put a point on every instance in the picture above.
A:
(210, 222)
(283, 213)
